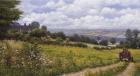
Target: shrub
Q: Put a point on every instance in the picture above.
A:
(26, 61)
(77, 45)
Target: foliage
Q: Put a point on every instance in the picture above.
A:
(100, 48)
(14, 34)
(34, 25)
(132, 39)
(82, 38)
(37, 33)
(44, 28)
(113, 40)
(79, 45)
(58, 35)
(8, 14)
(22, 61)
(104, 42)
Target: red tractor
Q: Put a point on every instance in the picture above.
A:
(125, 55)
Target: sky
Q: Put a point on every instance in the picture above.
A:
(82, 14)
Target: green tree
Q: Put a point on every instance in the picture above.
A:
(75, 37)
(113, 40)
(128, 34)
(104, 42)
(13, 34)
(58, 34)
(132, 39)
(135, 38)
(135, 33)
(129, 37)
(37, 33)
(34, 25)
(44, 28)
(8, 14)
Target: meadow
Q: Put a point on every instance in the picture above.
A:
(59, 60)
(72, 59)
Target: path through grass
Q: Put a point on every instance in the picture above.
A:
(129, 71)
(94, 70)
(109, 72)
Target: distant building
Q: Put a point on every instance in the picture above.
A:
(27, 28)
(16, 26)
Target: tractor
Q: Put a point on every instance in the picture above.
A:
(125, 55)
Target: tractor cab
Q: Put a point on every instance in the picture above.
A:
(125, 55)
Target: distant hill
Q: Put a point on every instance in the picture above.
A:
(119, 34)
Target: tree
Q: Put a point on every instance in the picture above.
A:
(13, 34)
(135, 38)
(135, 33)
(44, 28)
(37, 33)
(93, 41)
(132, 39)
(104, 42)
(113, 40)
(58, 35)
(85, 39)
(129, 37)
(98, 40)
(61, 35)
(138, 43)
(34, 25)
(128, 34)
(75, 37)
(8, 14)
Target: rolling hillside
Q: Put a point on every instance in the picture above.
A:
(119, 34)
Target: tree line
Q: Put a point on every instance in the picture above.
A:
(132, 38)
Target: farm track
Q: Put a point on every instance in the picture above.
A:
(129, 71)
(94, 70)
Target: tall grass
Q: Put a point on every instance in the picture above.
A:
(64, 59)
(137, 72)
(20, 59)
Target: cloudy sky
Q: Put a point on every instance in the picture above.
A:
(84, 14)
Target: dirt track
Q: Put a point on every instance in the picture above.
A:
(129, 71)
(94, 70)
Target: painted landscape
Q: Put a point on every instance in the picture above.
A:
(69, 38)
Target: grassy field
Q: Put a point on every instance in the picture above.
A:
(71, 59)
(137, 72)
(65, 59)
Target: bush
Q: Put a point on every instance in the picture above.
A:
(77, 45)
(26, 61)
(37, 33)
(104, 48)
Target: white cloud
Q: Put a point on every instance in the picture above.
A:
(83, 13)
(53, 19)
(109, 12)
(54, 5)
(93, 12)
